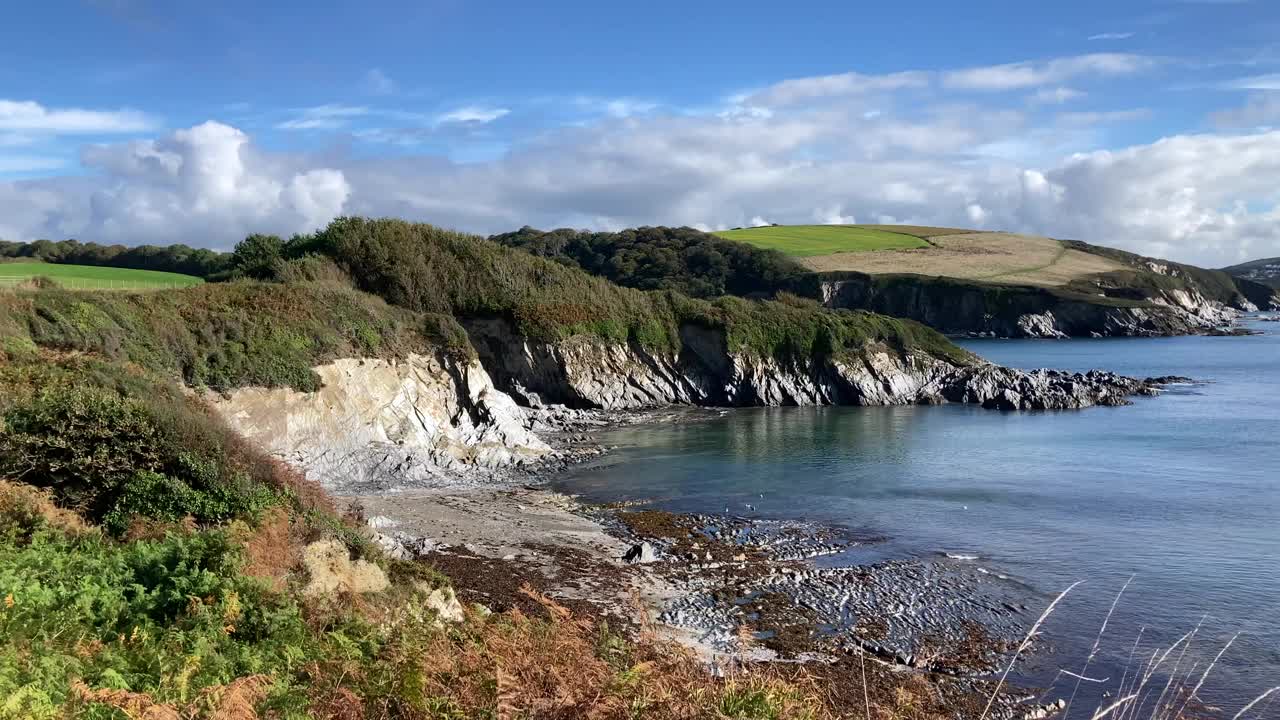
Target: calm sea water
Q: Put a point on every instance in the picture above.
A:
(1182, 492)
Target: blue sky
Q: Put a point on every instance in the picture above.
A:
(140, 121)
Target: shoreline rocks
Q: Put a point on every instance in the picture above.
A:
(435, 420)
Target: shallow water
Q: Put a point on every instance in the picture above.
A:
(1181, 491)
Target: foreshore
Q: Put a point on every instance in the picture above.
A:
(731, 589)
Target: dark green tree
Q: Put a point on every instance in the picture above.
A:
(257, 255)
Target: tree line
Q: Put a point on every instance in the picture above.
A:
(200, 262)
(682, 259)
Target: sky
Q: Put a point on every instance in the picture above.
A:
(1150, 125)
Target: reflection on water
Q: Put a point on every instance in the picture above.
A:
(1181, 491)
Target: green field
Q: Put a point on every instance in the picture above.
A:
(89, 277)
(811, 240)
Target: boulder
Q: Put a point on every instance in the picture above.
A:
(445, 604)
(641, 554)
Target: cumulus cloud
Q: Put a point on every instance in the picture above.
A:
(1261, 109)
(29, 116)
(205, 185)
(1207, 198)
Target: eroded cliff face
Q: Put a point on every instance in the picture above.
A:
(432, 420)
(584, 374)
(378, 424)
(959, 308)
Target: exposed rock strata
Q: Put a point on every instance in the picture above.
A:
(435, 420)
(705, 372)
(375, 424)
(959, 308)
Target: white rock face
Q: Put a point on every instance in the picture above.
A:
(1042, 325)
(377, 424)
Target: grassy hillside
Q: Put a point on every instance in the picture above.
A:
(998, 257)
(1265, 271)
(819, 240)
(427, 269)
(88, 277)
(154, 565)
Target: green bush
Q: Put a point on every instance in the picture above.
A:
(165, 617)
(429, 269)
(224, 335)
(113, 444)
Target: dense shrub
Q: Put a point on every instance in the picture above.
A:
(425, 268)
(226, 335)
(689, 261)
(113, 447)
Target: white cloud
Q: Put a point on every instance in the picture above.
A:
(833, 216)
(1056, 96)
(379, 83)
(323, 117)
(1080, 119)
(474, 114)
(204, 185)
(789, 92)
(1111, 36)
(1262, 109)
(1257, 82)
(616, 107)
(29, 116)
(1207, 198)
(1015, 76)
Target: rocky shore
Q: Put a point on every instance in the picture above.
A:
(733, 590)
(443, 462)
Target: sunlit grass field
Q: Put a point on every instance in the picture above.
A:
(89, 277)
(813, 240)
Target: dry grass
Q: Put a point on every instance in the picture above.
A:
(28, 508)
(235, 700)
(511, 665)
(272, 551)
(997, 257)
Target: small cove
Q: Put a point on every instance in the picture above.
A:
(1180, 492)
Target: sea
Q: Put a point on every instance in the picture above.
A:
(1178, 496)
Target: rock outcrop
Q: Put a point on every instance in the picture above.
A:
(435, 420)
(378, 424)
(585, 374)
(969, 308)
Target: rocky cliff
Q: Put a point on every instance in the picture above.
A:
(379, 424)
(429, 420)
(970, 308)
(707, 372)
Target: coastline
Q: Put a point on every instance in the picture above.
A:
(731, 590)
